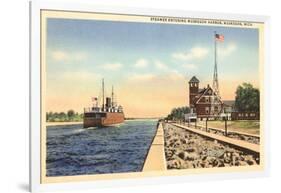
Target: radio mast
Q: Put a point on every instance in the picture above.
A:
(215, 76)
(215, 98)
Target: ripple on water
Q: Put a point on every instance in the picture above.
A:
(72, 150)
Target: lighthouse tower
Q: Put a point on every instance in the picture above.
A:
(193, 91)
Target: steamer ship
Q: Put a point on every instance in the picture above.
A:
(109, 113)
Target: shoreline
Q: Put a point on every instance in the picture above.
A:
(63, 123)
(81, 122)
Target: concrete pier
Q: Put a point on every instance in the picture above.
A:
(155, 159)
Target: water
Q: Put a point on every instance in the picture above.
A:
(72, 150)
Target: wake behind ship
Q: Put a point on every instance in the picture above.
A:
(108, 114)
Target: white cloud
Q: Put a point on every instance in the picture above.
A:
(176, 75)
(160, 65)
(142, 77)
(227, 50)
(189, 66)
(112, 66)
(193, 53)
(141, 63)
(59, 55)
(79, 76)
(171, 75)
(79, 55)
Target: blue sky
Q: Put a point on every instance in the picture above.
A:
(123, 52)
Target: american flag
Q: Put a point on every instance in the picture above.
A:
(219, 37)
(94, 98)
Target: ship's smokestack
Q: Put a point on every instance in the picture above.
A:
(108, 102)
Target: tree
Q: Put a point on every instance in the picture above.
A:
(62, 116)
(178, 113)
(247, 98)
(70, 114)
(49, 115)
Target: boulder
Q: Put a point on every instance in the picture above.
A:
(175, 164)
(221, 163)
(215, 163)
(183, 141)
(190, 150)
(188, 156)
(182, 155)
(251, 162)
(210, 160)
(204, 157)
(242, 163)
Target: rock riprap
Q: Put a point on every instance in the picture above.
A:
(184, 150)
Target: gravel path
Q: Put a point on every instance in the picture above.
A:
(184, 149)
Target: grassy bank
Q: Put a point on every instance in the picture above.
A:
(247, 126)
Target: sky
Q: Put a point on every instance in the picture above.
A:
(149, 64)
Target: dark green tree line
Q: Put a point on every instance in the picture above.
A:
(178, 113)
(70, 115)
(247, 98)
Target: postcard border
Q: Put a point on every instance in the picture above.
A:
(35, 97)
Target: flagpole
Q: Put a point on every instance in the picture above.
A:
(215, 50)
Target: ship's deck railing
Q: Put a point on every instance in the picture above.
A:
(89, 109)
(100, 110)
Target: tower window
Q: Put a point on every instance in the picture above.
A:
(207, 110)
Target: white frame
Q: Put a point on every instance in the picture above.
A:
(35, 185)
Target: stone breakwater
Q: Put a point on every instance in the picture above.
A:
(184, 150)
(231, 134)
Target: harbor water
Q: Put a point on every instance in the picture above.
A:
(72, 150)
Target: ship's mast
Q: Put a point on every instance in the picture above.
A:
(102, 94)
(112, 97)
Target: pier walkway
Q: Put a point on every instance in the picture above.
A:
(155, 159)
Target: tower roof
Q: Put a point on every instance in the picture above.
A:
(194, 80)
